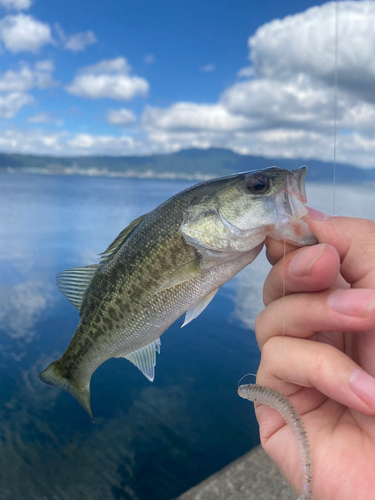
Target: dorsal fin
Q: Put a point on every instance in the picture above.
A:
(74, 282)
(117, 242)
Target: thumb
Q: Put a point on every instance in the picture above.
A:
(354, 240)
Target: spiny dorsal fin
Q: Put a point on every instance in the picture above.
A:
(117, 242)
(145, 359)
(74, 282)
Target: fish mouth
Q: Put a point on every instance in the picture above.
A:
(291, 208)
(296, 181)
(294, 195)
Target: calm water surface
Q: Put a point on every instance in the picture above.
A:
(149, 440)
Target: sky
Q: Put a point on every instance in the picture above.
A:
(137, 77)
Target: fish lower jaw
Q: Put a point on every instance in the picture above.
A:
(295, 231)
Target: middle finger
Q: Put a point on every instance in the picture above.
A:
(306, 314)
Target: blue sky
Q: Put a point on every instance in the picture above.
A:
(142, 76)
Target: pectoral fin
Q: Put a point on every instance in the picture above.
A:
(195, 311)
(145, 359)
(183, 273)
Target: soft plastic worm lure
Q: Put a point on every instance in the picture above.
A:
(274, 399)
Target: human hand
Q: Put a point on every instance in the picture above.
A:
(318, 348)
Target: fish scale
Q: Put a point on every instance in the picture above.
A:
(171, 261)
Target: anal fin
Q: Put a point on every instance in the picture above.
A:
(145, 359)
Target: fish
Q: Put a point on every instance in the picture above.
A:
(260, 394)
(169, 262)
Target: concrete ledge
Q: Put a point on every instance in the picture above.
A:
(251, 477)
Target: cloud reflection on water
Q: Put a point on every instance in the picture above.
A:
(93, 461)
(21, 307)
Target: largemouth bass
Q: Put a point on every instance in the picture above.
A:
(171, 261)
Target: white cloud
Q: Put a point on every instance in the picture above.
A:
(149, 59)
(16, 4)
(24, 33)
(287, 107)
(76, 42)
(283, 108)
(120, 116)
(103, 144)
(63, 143)
(111, 66)
(108, 79)
(11, 103)
(305, 43)
(27, 77)
(207, 68)
(79, 41)
(246, 72)
(272, 103)
(47, 117)
(15, 83)
(188, 116)
(32, 142)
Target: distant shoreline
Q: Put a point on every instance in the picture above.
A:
(101, 172)
(190, 165)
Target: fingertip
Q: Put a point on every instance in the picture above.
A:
(314, 214)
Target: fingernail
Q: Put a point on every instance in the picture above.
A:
(302, 263)
(357, 303)
(363, 385)
(315, 214)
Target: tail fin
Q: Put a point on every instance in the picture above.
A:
(52, 375)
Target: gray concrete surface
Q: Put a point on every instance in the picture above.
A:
(251, 477)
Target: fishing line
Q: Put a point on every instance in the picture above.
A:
(246, 375)
(337, 11)
(284, 286)
(272, 380)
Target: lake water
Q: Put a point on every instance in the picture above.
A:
(149, 441)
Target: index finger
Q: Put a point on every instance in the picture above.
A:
(354, 240)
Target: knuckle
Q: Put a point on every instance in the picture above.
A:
(269, 348)
(321, 358)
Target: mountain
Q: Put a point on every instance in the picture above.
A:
(186, 164)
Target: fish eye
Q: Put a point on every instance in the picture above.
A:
(258, 184)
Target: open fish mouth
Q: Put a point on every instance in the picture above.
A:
(295, 193)
(296, 181)
(290, 208)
